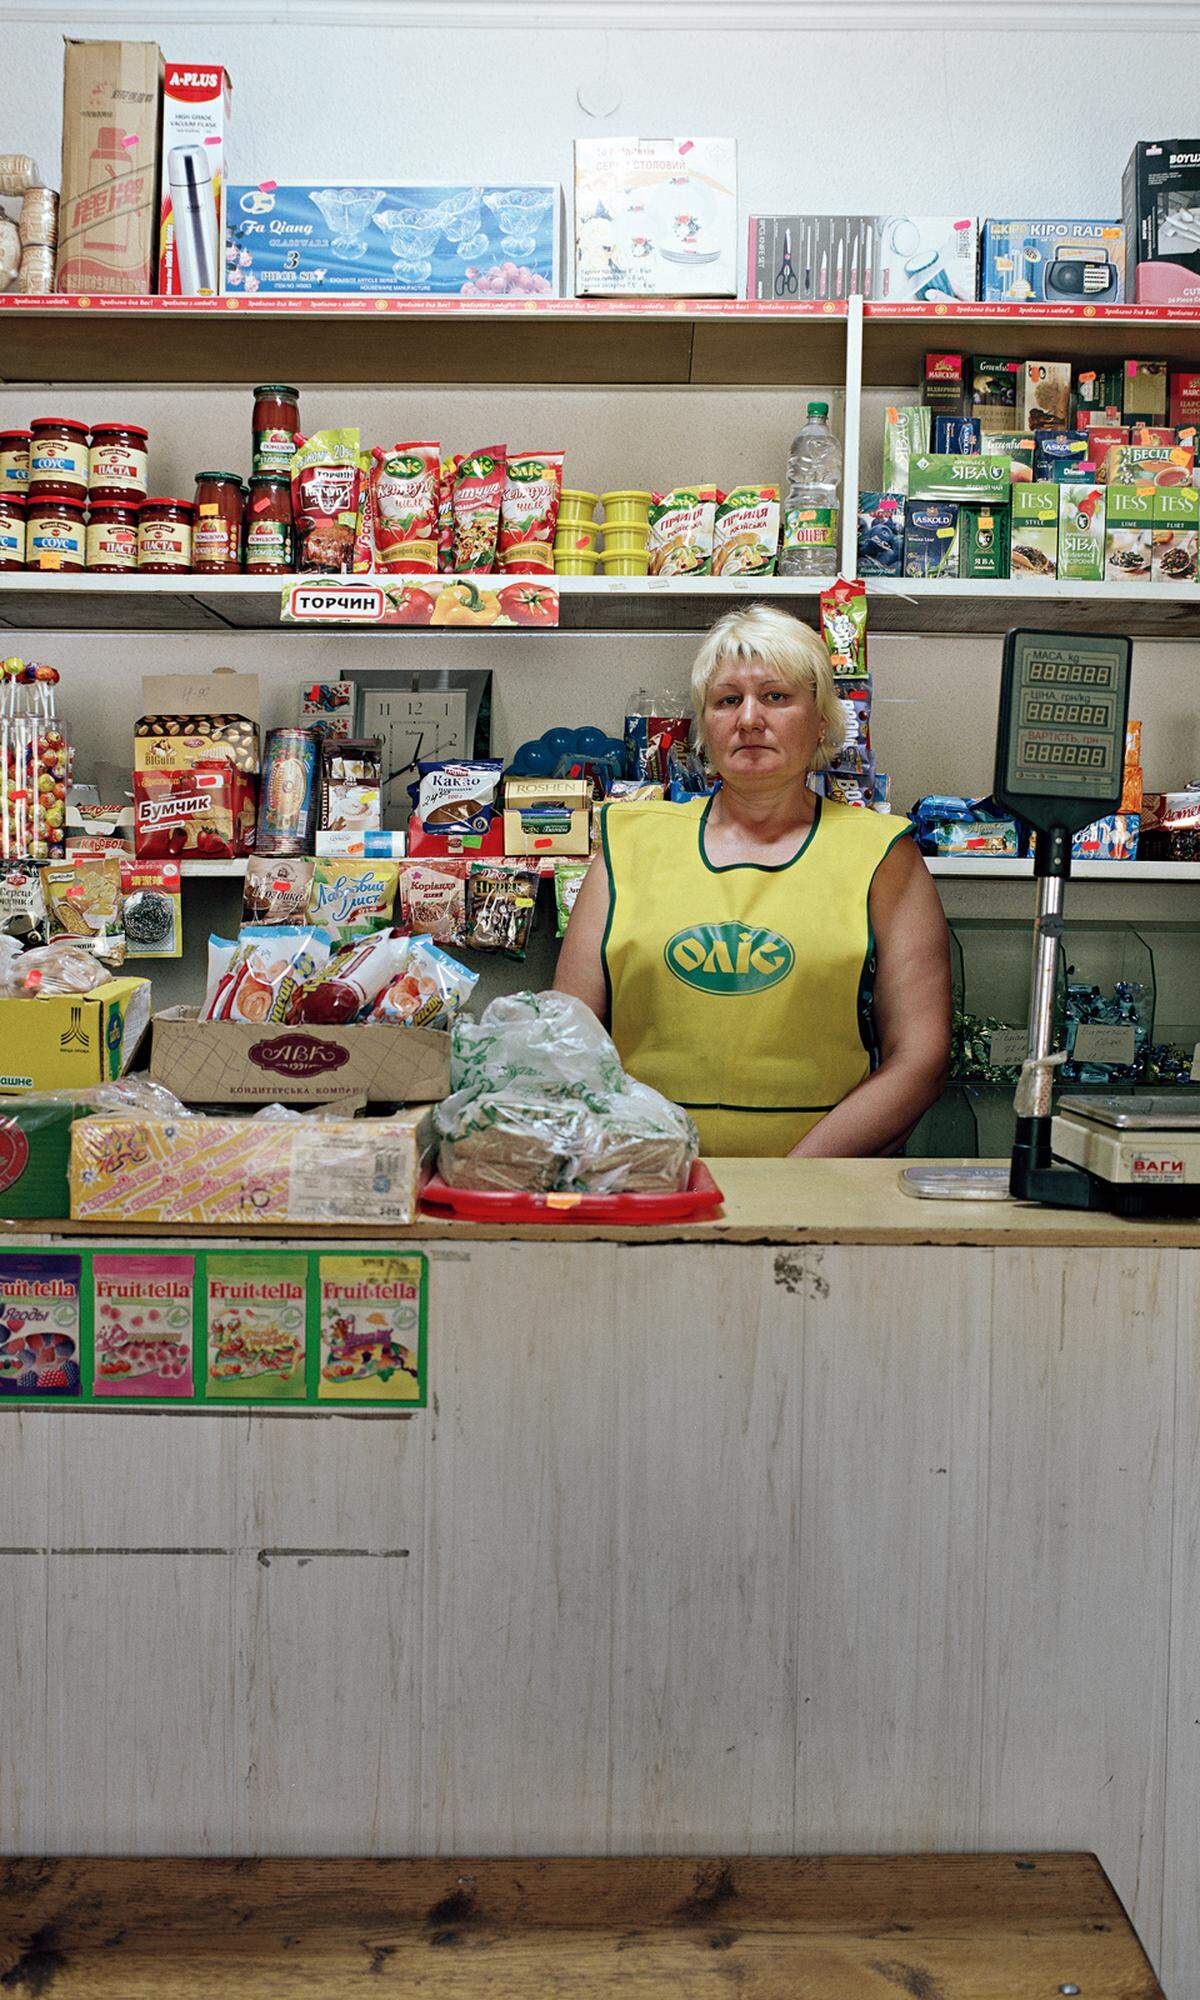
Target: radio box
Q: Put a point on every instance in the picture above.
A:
(195, 114)
(1067, 263)
(1160, 194)
(108, 213)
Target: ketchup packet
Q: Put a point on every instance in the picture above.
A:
(477, 498)
(259, 975)
(529, 513)
(405, 486)
(844, 628)
(446, 475)
(348, 986)
(326, 485)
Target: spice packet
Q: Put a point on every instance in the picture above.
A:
(326, 483)
(404, 482)
(23, 912)
(457, 797)
(83, 898)
(501, 902)
(349, 897)
(432, 899)
(568, 881)
(680, 541)
(431, 990)
(260, 975)
(477, 497)
(746, 532)
(844, 628)
(153, 908)
(529, 513)
(277, 888)
(347, 987)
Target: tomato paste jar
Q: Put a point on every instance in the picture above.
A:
(217, 536)
(275, 423)
(58, 459)
(54, 535)
(165, 536)
(14, 462)
(112, 537)
(12, 530)
(117, 462)
(269, 525)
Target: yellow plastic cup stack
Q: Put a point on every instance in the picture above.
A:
(627, 508)
(626, 526)
(577, 533)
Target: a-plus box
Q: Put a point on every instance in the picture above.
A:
(195, 119)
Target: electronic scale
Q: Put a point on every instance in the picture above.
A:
(1060, 754)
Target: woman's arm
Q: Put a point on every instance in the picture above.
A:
(580, 966)
(912, 1016)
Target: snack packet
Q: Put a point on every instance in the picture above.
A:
(48, 970)
(431, 990)
(404, 482)
(187, 812)
(432, 900)
(349, 897)
(680, 541)
(326, 483)
(23, 912)
(277, 887)
(501, 901)
(446, 476)
(568, 881)
(153, 908)
(746, 532)
(855, 704)
(259, 975)
(347, 987)
(457, 797)
(844, 628)
(477, 496)
(83, 898)
(529, 513)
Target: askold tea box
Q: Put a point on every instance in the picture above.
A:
(108, 212)
(931, 538)
(40, 1337)
(1129, 518)
(1174, 534)
(1035, 529)
(371, 1328)
(983, 543)
(142, 1307)
(1081, 532)
(195, 119)
(255, 1323)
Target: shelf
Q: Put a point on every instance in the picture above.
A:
(192, 871)
(896, 337)
(1000, 867)
(1148, 610)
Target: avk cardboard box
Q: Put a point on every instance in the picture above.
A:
(239, 1062)
(108, 213)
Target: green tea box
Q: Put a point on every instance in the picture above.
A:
(1035, 528)
(983, 543)
(954, 476)
(1173, 537)
(1081, 532)
(1128, 524)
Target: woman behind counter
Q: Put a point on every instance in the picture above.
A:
(775, 961)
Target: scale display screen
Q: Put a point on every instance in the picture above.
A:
(1060, 745)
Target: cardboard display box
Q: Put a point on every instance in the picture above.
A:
(1160, 191)
(35, 1152)
(238, 1062)
(547, 816)
(108, 214)
(72, 1039)
(656, 218)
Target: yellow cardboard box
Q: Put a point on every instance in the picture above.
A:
(547, 816)
(70, 1040)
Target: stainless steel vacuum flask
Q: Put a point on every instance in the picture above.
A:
(194, 211)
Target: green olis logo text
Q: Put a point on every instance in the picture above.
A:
(729, 958)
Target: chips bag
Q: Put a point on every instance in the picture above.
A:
(477, 497)
(529, 513)
(404, 482)
(844, 628)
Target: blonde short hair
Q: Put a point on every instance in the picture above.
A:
(793, 649)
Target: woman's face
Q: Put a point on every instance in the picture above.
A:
(758, 725)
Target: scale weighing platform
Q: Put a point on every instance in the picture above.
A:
(1060, 759)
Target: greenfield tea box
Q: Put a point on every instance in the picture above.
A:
(905, 437)
(994, 392)
(983, 542)
(1035, 529)
(1081, 532)
(1174, 534)
(1128, 521)
(1016, 446)
(944, 476)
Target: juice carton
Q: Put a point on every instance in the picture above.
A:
(1129, 517)
(931, 538)
(1035, 529)
(1081, 532)
(983, 542)
(1174, 534)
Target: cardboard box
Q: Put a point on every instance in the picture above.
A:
(946, 477)
(1018, 447)
(1160, 192)
(190, 720)
(828, 256)
(239, 1170)
(1183, 406)
(108, 213)
(931, 538)
(1100, 439)
(1053, 450)
(1129, 517)
(881, 534)
(73, 1039)
(943, 384)
(1173, 539)
(656, 218)
(1044, 396)
(959, 437)
(1099, 394)
(302, 237)
(1067, 262)
(547, 816)
(195, 117)
(35, 1152)
(927, 257)
(906, 430)
(237, 1062)
(1144, 392)
(994, 392)
(1034, 529)
(983, 543)
(1081, 532)
(1151, 464)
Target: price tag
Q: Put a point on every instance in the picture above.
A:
(1098, 1042)
(1007, 1045)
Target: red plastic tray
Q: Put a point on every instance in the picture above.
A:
(701, 1196)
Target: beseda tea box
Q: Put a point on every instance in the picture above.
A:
(256, 1310)
(370, 1329)
(142, 1309)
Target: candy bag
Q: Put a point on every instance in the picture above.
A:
(844, 628)
(430, 991)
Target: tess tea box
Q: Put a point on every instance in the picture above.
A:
(195, 113)
(1129, 519)
(1174, 534)
(1081, 532)
(1035, 528)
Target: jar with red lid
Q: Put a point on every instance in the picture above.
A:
(275, 424)
(112, 537)
(269, 525)
(117, 463)
(12, 530)
(14, 462)
(54, 533)
(217, 535)
(58, 459)
(165, 536)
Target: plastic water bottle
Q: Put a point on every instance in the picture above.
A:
(810, 515)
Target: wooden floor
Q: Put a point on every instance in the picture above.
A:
(932, 1927)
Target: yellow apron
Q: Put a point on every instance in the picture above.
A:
(743, 992)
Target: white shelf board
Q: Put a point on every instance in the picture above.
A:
(1001, 867)
(191, 871)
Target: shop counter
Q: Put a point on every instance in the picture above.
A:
(841, 1523)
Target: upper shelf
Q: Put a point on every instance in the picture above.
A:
(657, 342)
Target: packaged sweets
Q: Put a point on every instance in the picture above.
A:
(568, 881)
(429, 991)
(23, 912)
(277, 888)
(351, 797)
(529, 512)
(287, 801)
(259, 976)
(432, 899)
(186, 812)
(855, 751)
(844, 628)
(404, 483)
(364, 526)
(347, 987)
(326, 482)
(142, 1316)
(348, 897)
(746, 532)
(83, 898)
(153, 908)
(477, 495)
(682, 522)
(458, 797)
(501, 902)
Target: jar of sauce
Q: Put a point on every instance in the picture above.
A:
(14, 462)
(217, 536)
(117, 462)
(58, 459)
(165, 536)
(269, 525)
(12, 530)
(275, 423)
(112, 537)
(54, 534)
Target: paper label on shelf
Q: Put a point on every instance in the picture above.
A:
(1007, 1045)
(462, 601)
(1098, 1042)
